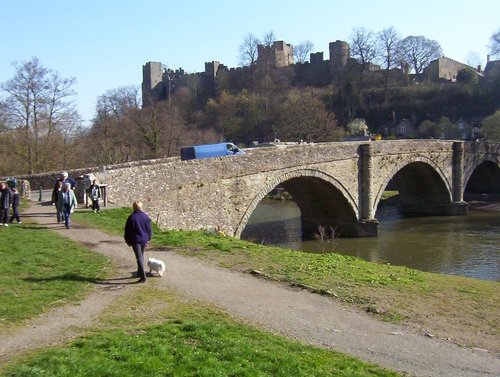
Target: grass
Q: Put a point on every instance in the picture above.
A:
(183, 338)
(455, 307)
(39, 269)
(145, 331)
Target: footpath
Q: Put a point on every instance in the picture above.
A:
(294, 313)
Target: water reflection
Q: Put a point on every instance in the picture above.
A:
(460, 245)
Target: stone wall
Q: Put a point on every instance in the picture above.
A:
(331, 179)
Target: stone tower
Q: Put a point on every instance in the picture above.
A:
(152, 82)
(339, 53)
(279, 54)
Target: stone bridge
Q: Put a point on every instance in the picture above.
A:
(333, 184)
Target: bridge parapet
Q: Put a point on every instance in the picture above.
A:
(337, 182)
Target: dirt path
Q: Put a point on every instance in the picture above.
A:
(294, 313)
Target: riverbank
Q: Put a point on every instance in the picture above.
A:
(275, 305)
(457, 309)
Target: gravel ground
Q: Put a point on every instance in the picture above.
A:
(294, 313)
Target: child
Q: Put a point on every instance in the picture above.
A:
(15, 206)
(95, 195)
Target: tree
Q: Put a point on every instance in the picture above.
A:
(363, 49)
(388, 41)
(304, 117)
(448, 129)
(491, 127)
(495, 43)
(419, 51)
(358, 127)
(473, 59)
(269, 38)
(111, 134)
(429, 129)
(301, 51)
(248, 50)
(467, 76)
(40, 111)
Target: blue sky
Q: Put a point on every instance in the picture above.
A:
(104, 43)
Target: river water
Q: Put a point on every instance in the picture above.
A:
(459, 245)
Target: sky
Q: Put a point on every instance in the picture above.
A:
(103, 44)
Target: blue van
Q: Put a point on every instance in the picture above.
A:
(210, 150)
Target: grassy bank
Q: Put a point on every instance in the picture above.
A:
(157, 333)
(461, 309)
(146, 331)
(38, 270)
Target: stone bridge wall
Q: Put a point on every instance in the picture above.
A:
(221, 193)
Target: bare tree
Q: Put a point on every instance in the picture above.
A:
(388, 41)
(495, 43)
(301, 51)
(363, 48)
(269, 38)
(473, 59)
(419, 51)
(248, 50)
(112, 132)
(39, 108)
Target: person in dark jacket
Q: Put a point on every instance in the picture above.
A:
(95, 195)
(5, 202)
(137, 234)
(15, 206)
(57, 200)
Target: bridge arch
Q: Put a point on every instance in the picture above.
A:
(332, 205)
(482, 178)
(423, 187)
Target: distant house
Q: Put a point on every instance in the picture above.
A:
(492, 68)
(387, 129)
(405, 129)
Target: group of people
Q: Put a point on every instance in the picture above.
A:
(138, 229)
(64, 198)
(9, 197)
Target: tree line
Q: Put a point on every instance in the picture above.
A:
(40, 129)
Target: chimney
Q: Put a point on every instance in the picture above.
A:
(479, 68)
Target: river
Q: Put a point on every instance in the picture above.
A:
(459, 245)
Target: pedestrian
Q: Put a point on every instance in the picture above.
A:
(5, 201)
(69, 203)
(67, 179)
(95, 196)
(16, 199)
(137, 234)
(57, 200)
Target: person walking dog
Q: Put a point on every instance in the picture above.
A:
(137, 234)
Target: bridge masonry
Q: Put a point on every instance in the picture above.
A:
(334, 184)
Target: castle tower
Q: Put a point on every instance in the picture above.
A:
(280, 54)
(211, 69)
(152, 83)
(339, 53)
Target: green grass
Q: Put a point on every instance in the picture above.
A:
(190, 339)
(39, 269)
(450, 306)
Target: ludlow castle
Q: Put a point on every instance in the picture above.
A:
(159, 83)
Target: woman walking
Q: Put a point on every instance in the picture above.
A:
(137, 234)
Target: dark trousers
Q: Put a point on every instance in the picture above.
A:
(66, 213)
(15, 215)
(4, 215)
(139, 256)
(95, 205)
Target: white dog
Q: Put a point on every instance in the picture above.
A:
(156, 265)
